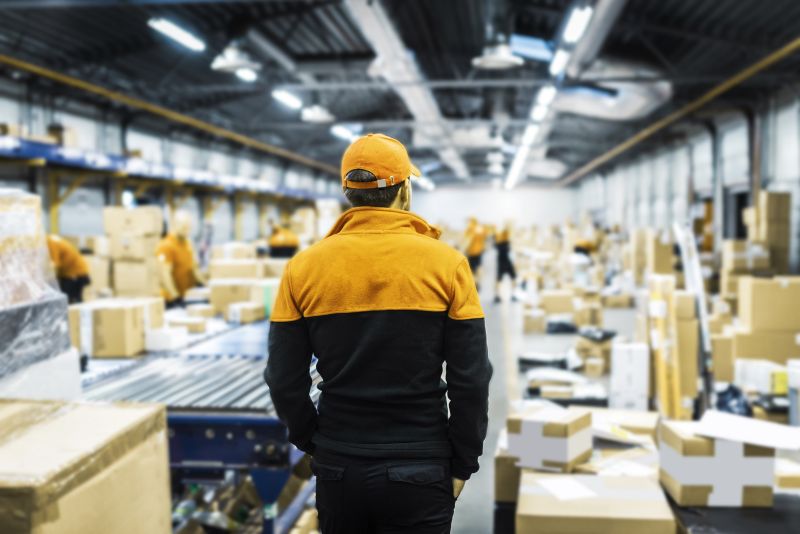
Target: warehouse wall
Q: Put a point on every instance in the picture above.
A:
(525, 205)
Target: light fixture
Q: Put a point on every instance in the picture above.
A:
(538, 113)
(247, 74)
(316, 114)
(343, 132)
(559, 63)
(530, 47)
(424, 182)
(546, 95)
(177, 34)
(497, 57)
(495, 168)
(577, 23)
(287, 99)
(529, 135)
(515, 172)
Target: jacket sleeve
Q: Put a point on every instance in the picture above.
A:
(287, 372)
(468, 372)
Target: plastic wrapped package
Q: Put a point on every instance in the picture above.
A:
(59, 460)
(25, 269)
(33, 312)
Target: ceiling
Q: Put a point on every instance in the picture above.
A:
(324, 56)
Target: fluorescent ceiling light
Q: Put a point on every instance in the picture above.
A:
(530, 47)
(576, 25)
(287, 99)
(343, 132)
(529, 135)
(177, 34)
(247, 74)
(546, 95)
(515, 172)
(559, 63)
(538, 113)
(424, 182)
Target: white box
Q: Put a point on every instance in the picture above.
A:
(763, 376)
(56, 378)
(166, 339)
(630, 369)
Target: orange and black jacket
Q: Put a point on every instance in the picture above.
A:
(383, 305)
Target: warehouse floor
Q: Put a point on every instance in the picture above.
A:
(474, 510)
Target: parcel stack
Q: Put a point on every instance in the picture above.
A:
(769, 224)
(133, 235)
(35, 356)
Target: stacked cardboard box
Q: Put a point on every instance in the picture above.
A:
(234, 251)
(89, 468)
(768, 223)
(534, 321)
(740, 258)
(629, 388)
(235, 268)
(658, 247)
(133, 236)
(113, 328)
(769, 322)
(227, 291)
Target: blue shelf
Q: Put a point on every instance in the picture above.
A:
(86, 160)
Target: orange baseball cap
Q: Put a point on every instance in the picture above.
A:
(383, 156)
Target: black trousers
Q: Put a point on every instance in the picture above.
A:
(365, 496)
(73, 288)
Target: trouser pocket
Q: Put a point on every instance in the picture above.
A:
(419, 495)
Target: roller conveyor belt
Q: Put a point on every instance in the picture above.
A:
(195, 382)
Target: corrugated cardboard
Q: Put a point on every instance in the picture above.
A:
(549, 438)
(226, 291)
(84, 468)
(587, 348)
(744, 256)
(775, 346)
(506, 472)
(685, 305)
(534, 321)
(274, 267)
(233, 251)
(588, 314)
(594, 367)
(200, 310)
(635, 421)
(133, 247)
(154, 309)
(235, 268)
(622, 300)
(722, 357)
(99, 275)
(245, 312)
(557, 301)
(145, 220)
(195, 325)
(107, 328)
(702, 471)
(769, 304)
(787, 474)
(687, 347)
(658, 253)
(559, 504)
(774, 205)
(136, 278)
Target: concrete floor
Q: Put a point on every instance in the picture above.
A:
(474, 510)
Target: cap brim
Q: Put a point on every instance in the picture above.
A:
(415, 171)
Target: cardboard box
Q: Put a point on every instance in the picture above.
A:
(197, 294)
(166, 339)
(588, 314)
(154, 309)
(549, 438)
(245, 312)
(704, 471)
(687, 348)
(769, 304)
(107, 328)
(594, 367)
(99, 275)
(145, 220)
(200, 310)
(623, 300)
(685, 305)
(534, 321)
(557, 301)
(226, 291)
(744, 256)
(761, 376)
(136, 278)
(640, 422)
(658, 253)
(587, 348)
(774, 346)
(629, 386)
(787, 474)
(273, 267)
(610, 459)
(133, 247)
(729, 285)
(718, 322)
(506, 472)
(559, 504)
(195, 325)
(84, 468)
(234, 251)
(235, 269)
(774, 206)
(722, 357)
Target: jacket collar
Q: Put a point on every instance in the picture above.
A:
(367, 219)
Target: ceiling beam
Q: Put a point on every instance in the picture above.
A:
(49, 4)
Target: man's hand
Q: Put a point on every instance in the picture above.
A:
(458, 485)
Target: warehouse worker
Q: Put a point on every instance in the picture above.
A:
(178, 269)
(72, 271)
(382, 304)
(475, 244)
(283, 243)
(505, 266)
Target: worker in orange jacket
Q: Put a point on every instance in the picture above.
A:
(72, 271)
(283, 243)
(178, 268)
(475, 244)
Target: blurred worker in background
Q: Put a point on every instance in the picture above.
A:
(178, 267)
(382, 303)
(505, 266)
(283, 243)
(72, 271)
(475, 244)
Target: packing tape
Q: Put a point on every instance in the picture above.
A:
(727, 472)
(657, 309)
(533, 448)
(87, 331)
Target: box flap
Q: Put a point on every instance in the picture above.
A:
(722, 425)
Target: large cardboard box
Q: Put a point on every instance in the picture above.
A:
(687, 347)
(107, 328)
(775, 346)
(136, 278)
(549, 438)
(744, 256)
(774, 206)
(589, 348)
(245, 312)
(235, 269)
(154, 309)
(233, 251)
(133, 247)
(534, 321)
(195, 325)
(99, 275)
(722, 357)
(619, 300)
(704, 471)
(586, 504)
(84, 468)
(769, 304)
(200, 310)
(145, 220)
(274, 267)
(658, 253)
(636, 421)
(588, 314)
(506, 471)
(557, 301)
